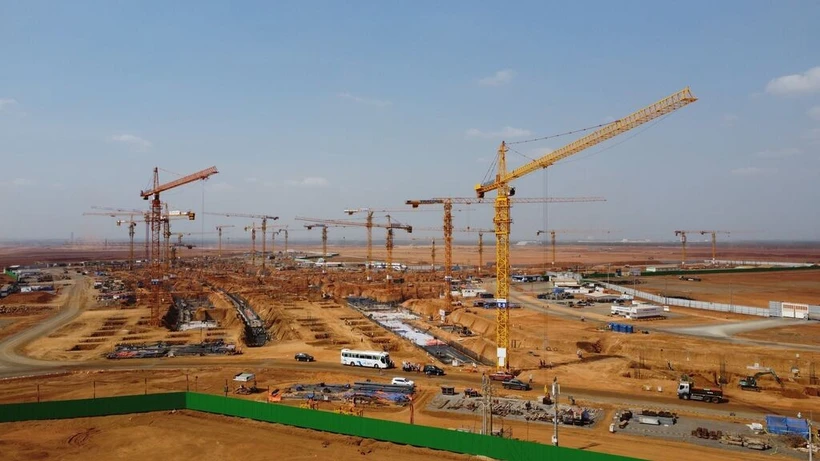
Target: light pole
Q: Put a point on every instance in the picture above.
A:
(556, 389)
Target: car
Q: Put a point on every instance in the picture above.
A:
(501, 376)
(432, 370)
(399, 381)
(516, 384)
(302, 357)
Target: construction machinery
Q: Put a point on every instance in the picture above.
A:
(263, 217)
(466, 230)
(553, 232)
(369, 226)
(501, 184)
(131, 224)
(714, 233)
(749, 383)
(683, 240)
(324, 236)
(252, 229)
(219, 231)
(448, 202)
(390, 226)
(156, 221)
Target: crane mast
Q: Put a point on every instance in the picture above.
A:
(501, 184)
(447, 203)
(370, 224)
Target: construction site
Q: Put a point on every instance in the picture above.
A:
(519, 344)
(369, 332)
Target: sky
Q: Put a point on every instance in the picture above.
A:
(309, 108)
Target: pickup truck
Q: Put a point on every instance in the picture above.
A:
(516, 384)
(501, 376)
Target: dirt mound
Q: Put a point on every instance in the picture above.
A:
(29, 298)
(591, 347)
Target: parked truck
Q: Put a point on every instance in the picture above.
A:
(687, 391)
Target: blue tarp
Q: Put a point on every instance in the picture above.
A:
(785, 425)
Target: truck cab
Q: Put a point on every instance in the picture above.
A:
(687, 391)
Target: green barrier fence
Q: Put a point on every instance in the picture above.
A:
(63, 409)
(388, 431)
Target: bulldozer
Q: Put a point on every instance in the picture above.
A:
(749, 383)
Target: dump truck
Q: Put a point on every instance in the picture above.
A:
(687, 391)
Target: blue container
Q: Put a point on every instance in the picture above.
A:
(630, 328)
(619, 328)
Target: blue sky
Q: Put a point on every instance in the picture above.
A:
(308, 108)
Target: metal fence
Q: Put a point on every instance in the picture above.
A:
(388, 431)
(720, 307)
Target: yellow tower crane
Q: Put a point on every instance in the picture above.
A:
(552, 233)
(448, 202)
(504, 192)
(219, 231)
(264, 219)
(466, 230)
(714, 233)
(390, 225)
(369, 226)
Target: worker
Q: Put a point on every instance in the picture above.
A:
(530, 378)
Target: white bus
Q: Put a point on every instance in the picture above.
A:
(370, 359)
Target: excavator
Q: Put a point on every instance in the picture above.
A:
(749, 383)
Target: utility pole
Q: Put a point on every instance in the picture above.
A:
(556, 389)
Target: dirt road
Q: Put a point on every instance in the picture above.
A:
(12, 361)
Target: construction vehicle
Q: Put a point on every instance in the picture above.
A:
(688, 391)
(501, 184)
(749, 383)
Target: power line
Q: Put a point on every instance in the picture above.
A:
(561, 134)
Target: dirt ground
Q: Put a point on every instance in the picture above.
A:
(304, 312)
(752, 289)
(186, 435)
(183, 435)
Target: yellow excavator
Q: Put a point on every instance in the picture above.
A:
(749, 383)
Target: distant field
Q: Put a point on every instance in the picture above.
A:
(753, 289)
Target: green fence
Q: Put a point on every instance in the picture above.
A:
(388, 431)
(62, 409)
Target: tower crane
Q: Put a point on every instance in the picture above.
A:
(252, 229)
(131, 223)
(155, 218)
(324, 236)
(219, 231)
(369, 227)
(390, 225)
(552, 233)
(448, 202)
(156, 205)
(714, 241)
(468, 230)
(432, 250)
(683, 240)
(504, 191)
(263, 217)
